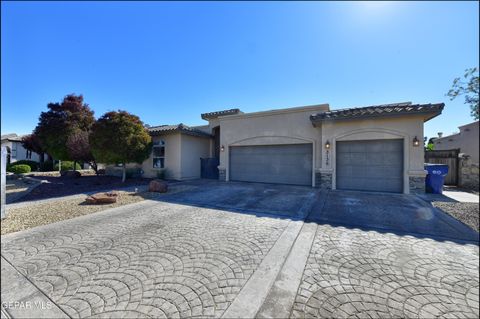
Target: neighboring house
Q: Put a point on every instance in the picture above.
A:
(467, 141)
(15, 150)
(374, 148)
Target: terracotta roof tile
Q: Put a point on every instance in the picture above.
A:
(212, 115)
(379, 110)
(165, 129)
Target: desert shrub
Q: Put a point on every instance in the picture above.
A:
(67, 166)
(46, 166)
(161, 174)
(133, 172)
(33, 165)
(20, 169)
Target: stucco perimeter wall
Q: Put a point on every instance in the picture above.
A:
(192, 149)
(287, 126)
(466, 141)
(172, 157)
(405, 128)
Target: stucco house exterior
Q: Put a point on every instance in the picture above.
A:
(373, 148)
(16, 151)
(467, 141)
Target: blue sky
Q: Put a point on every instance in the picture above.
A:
(169, 62)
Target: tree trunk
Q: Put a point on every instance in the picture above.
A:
(94, 166)
(124, 173)
(42, 158)
(74, 165)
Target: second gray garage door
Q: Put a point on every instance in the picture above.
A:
(280, 164)
(375, 165)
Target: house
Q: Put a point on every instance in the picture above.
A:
(373, 148)
(15, 150)
(466, 140)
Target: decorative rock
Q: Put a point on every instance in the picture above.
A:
(158, 186)
(102, 198)
(71, 174)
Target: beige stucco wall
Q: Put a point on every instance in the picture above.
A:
(192, 149)
(172, 157)
(466, 140)
(18, 152)
(405, 128)
(287, 126)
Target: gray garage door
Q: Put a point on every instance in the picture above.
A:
(280, 164)
(375, 165)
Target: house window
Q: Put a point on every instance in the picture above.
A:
(14, 150)
(28, 155)
(159, 154)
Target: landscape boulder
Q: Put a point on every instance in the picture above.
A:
(71, 174)
(102, 198)
(158, 186)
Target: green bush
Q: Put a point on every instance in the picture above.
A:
(33, 165)
(66, 166)
(20, 169)
(161, 174)
(133, 173)
(46, 166)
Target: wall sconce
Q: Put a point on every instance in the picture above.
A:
(327, 145)
(222, 148)
(416, 142)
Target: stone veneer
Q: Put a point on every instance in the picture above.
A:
(469, 175)
(222, 174)
(416, 184)
(323, 180)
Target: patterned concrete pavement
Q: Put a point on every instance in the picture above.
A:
(173, 260)
(366, 274)
(157, 260)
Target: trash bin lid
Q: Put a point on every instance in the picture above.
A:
(436, 169)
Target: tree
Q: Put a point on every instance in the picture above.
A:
(32, 143)
(78, 147)
(60, 121)
(469, 87)
(431, 144)
(120, 137)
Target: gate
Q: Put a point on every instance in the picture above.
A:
(449, 157)
(209, 167)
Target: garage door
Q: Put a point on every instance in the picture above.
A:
(375, 165)
(280, 164)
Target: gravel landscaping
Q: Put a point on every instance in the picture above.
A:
(467, 213)
(36, 214)
(57, 186)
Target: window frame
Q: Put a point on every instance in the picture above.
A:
(158, 144)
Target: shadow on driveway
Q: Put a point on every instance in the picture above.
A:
(392, 213)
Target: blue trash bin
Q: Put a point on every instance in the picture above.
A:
(435, 177)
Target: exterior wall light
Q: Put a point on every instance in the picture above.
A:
(327, 145)
(222, 148)
(416, 142)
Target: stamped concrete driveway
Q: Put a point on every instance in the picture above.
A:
(238, 250)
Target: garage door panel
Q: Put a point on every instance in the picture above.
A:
(373, 165)
(283, 164)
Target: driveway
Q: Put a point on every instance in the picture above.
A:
(235, 250)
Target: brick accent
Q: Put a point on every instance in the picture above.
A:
(469, 175)
(222, 174)
(416, 184)
(323, 180)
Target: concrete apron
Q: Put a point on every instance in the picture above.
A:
(271, 290)
(23, 299)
